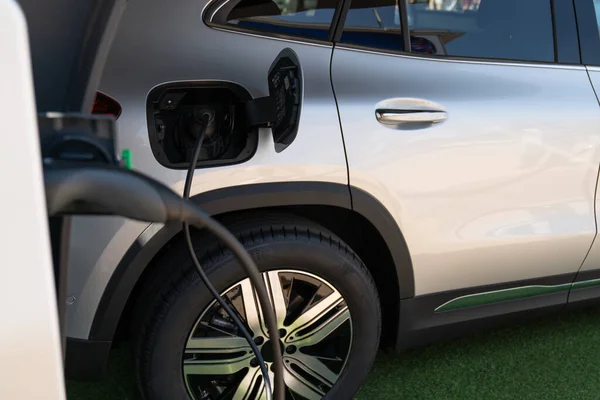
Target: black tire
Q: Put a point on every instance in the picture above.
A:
(174, 303)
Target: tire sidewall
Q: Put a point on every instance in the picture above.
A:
(185, 302)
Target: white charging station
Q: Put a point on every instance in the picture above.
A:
(29, 338)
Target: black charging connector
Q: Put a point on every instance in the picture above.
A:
(77, 138)
(99, 190)
(82, 177)
(71, 139)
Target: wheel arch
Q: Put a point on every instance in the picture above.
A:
(322, 202)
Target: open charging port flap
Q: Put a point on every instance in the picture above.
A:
(175, 111)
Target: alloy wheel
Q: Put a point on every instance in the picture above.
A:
(316, 335)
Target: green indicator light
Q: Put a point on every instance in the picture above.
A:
(127, 158)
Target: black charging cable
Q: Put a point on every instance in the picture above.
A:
(206, 120)
(107, 190)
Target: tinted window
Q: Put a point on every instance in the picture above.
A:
(373, 23)
(502, 29)
(305, 18)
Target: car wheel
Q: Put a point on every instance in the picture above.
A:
(327, 310)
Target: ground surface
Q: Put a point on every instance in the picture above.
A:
(551, 358)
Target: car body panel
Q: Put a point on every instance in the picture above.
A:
(481, 198)
(147, 54)
(503, 190)
(592, 261)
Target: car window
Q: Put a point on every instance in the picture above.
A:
(597, 9)
(500, 29)
(303, 18)
(496, 29)
(373, 23)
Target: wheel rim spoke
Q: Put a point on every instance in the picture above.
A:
(320, 332)
(301, 386)
(252, 309)
(223, 355)
(227, 344)
(262, 394)
(316, 312)
(244, 389)
(220, 367)
(314, 367)
(273, 284)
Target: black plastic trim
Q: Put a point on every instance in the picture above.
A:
(350, 46)
(589, 37)
(421, 325)
(248, 197)
(270, 35)
(584, 296)
(338, 20)
(588, 275)
(566, 39)
(338, 28)
(86, 360)
(405, 27)
(554, 30)
(215, 8)
(260, 111)
(285, 125)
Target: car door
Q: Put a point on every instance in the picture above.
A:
(478, 132)
(587, 284)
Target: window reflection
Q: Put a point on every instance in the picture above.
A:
(493, 29)
(503, 29)
(448, 5)
(374, 24)
(305, 18)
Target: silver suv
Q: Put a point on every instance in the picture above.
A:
(401, 172)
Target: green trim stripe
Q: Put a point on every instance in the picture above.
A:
(586, 284)
(517, 293)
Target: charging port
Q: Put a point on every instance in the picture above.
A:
(174, 113)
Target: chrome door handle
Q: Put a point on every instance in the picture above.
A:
(393, 117)
(409, 113)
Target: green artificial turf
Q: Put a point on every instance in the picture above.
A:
(551, 358)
